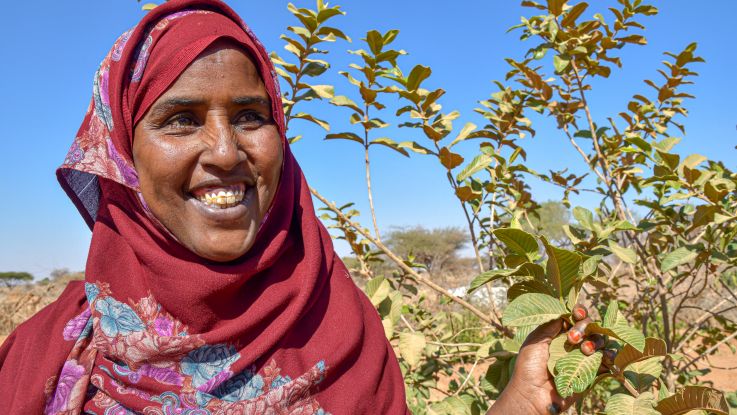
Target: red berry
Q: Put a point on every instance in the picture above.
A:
(588, 347)
(579, 312)
(575, 336)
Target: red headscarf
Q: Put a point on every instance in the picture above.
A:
(154, 328)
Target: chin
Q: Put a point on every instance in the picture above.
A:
(219, 250)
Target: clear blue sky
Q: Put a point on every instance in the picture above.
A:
(51, 49)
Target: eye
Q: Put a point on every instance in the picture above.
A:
(181, 121)
(250, 119)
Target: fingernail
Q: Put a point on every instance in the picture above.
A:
(579, 312)
(588, 347)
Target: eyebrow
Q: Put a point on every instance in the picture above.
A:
(177, 102)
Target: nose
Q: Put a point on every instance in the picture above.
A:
(223, 152)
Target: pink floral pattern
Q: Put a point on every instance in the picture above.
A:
(149, 345)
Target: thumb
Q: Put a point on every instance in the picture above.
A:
(545, 333)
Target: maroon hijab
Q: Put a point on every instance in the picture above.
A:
(155, 329)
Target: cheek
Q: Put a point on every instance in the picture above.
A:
(268, 158)
(163, 168)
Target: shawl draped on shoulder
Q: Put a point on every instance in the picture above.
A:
(155, 329)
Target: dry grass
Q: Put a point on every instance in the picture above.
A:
(19, 303)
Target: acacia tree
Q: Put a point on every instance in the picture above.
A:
(12, 278)
(677, 250)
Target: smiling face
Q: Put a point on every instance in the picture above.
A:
(208, 154)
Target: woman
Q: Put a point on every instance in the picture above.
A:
(211, 287)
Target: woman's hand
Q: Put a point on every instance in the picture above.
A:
(531, 389)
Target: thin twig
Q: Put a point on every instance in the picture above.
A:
(406, 268)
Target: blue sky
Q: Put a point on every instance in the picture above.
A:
(51, 50)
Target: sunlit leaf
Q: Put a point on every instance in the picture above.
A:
(519, 242)
(622, 404)
(489, 276)
(478, 163)
(693, 398)
(677, 257)
(418, 74)
(615, 325)
(311, 118)
(562, 268)
(388, 142)
(345, 136)
(532, 308)
(576, 372)
(411, 347)
(625, 254)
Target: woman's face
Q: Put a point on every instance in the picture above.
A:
(209, 155)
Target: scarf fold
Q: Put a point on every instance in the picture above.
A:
(155, 329)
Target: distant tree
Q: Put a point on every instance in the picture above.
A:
(437, 249)
(58, 273)
(549, 221)
(11, 278)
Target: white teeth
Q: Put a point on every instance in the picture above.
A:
(223, 198)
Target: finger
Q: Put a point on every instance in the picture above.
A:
(545, 333)
(577, 332)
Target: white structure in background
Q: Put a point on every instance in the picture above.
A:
(498, 295)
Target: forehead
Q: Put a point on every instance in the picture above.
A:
(222, 67)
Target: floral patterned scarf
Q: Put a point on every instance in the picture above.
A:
(155, 329)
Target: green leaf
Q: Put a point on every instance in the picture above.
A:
(533, 308)
(560, 63)
(312, 119)
(465, 131)
(344, 136)
(590, 265)
(418, 74)
(558, 348)
(694, 398)
(344, 101)
(411, 347)
(642, 374)
(615, 325)
(414, 146)
(375, 41)
(625, 254)
(693, 161)
(519, 242)
(323, 91)
(478, 163)
(562, 268)
(314, 69)
(677, 257)
(377, 289)
(452, 405)
(149, 6)
(576, 372)
(529, 286)
(489, 276)
(388, 142)
(622, 404)
(584, 217)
